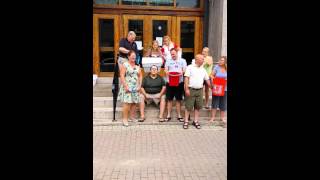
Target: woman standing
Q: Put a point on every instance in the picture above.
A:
(219, 71)
(167, 46)
(207, 65)
(131, 80)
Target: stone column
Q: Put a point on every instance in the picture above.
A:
(217, 28)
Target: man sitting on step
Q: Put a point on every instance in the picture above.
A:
(153, 89)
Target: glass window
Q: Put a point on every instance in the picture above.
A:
(105, 1)
(134, 2)
(187, 34)
(161, 2)
(107, 61)
(159, 28)
(106, 33)
(188, 56)
(137, 27)
(188, 3)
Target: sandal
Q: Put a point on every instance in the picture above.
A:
(167, 119)
(185, 125)
(161, 119)
(180, 119)
(141, 119)
(196, 124)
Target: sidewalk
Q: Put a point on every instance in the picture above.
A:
(159, 152)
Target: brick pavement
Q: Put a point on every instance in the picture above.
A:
(159, 152)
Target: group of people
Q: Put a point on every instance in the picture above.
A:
(182, 82)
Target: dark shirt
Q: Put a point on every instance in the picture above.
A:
(153, 86)
(129, 46)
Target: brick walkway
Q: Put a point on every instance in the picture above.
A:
(159, 152)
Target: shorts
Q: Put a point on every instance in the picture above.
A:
(151, 98)
(194, 100)
(121, 60)
(174, 92)
(220, 102)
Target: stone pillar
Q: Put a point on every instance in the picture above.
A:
(224, 29)
(217, 28)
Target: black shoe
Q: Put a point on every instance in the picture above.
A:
(196, 124)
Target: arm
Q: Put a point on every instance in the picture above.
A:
(122, 79)
(139, 78)
(186, 86)
(143, 92)
(163, 90)
(123, 50)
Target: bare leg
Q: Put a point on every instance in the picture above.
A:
(162, 107)
(142, 105)
(186, 115)
(222, 116)
(125, 112)
(206, 96)
(178, 105)
(169, 108)
(133, 111)
(213, 114)
(196, 115)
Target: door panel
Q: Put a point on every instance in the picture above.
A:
(105, 43)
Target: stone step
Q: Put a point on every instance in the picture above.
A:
(102, 90)
(104, 80)
(108, 102)
(150, 112)
(154, 121)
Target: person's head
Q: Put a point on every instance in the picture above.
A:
(153, 70)
(166, 40)
(155, 45)
(132, 56)
(205, 51)
(131, 36)
(199, 59)
(173, 52)
(223, 61)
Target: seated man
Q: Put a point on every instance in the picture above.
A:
(152, 89)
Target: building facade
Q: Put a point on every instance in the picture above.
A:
(192, 24)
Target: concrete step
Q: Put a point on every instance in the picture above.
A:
(102, 90)
(150, 113)
(104, 80)
(155, 121)
(102, 101)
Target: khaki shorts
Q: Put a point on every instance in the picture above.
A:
(152, 98)
(194, 100)
(121, 60)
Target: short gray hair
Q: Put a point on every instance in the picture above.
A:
(131, 33)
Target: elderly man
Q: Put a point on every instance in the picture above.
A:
(152, 89)
(126, 44)
(194, 76)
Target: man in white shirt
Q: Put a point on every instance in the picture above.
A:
(193, 83)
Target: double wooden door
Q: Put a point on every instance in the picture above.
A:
(109, 29)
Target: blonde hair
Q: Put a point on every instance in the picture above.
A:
(167, 37)
(155, 41)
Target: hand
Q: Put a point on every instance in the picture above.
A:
(187, 92)
(126, 88)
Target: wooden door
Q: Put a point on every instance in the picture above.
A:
(189, 36)
(105, 43)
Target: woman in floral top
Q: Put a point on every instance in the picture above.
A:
(131, 80)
